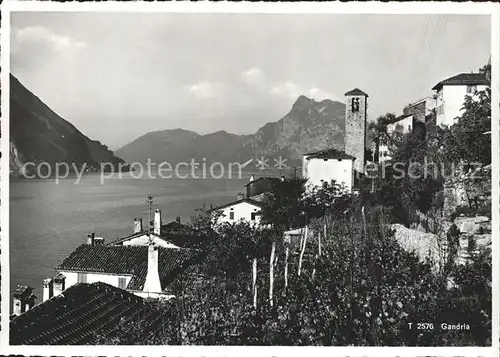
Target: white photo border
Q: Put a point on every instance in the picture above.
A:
(7, 7)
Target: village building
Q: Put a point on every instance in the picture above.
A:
(77, 316)
(242, 210)
(416, 116)
(173, 235)
(246, 208)
(143, 270)
(341, 166)
(23, 299)
(327, 165)
(451, 93)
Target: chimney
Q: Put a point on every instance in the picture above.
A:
(152, 284)
(90, 238)
(252, 177)
(137, 225)
(157, 222)
(48, 289)
(59, 284)
(240, 196)
(98, 241)
(178, 219)
(23, 299)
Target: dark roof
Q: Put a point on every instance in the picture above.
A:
(174, 232)
(396, 119)
(22, 291)
(463, 79)
(127, 260)
(356, 91)
(76, 316)
(329, 154)
(247, 200)
(268, 179)
(181, 235)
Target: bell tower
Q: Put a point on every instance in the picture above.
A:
(356, 102)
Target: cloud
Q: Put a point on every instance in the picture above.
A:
(40, 35)
(253, 76)
(287, 89)
(320, 94)
(205, 90)
(291, 90)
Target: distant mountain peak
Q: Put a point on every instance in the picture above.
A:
(309, 125)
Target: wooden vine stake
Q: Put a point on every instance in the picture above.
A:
(286, 265)
(254, 282)
(303, 250)
(271, 273)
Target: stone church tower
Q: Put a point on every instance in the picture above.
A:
(355, 126)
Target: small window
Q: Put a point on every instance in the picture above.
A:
(81, 278)
(252, 216)
(231, 215)
(122, 283)
(471, 89)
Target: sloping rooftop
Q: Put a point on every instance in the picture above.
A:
(128, 260)
(270, 180)
(76, 316)
(396, 119)
(356, 91)
(181, 235)
(245, 200)
(463, 79)
(329, 154)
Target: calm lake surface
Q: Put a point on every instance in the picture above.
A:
(49, 220)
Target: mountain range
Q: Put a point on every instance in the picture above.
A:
(309, 126)
(38, 134)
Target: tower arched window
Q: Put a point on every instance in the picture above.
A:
(355, 105)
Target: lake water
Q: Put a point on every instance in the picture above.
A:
(49, 220)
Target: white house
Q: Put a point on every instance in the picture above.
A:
(327, 165)
(242, 210)
(451, 93)
(401, 125)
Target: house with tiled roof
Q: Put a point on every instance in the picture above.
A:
(77, 316)
(174, 235)
(451, 92)
(259, 188)
(327, 165)
(144, 270)
(240, 210)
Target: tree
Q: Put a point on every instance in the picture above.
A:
(469, 139)
(284, 208)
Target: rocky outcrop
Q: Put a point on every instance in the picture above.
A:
(424, 245)
(471, 189)
(474, 238)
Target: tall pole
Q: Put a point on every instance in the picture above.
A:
(149, 201)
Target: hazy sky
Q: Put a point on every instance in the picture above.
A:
(119, 76)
